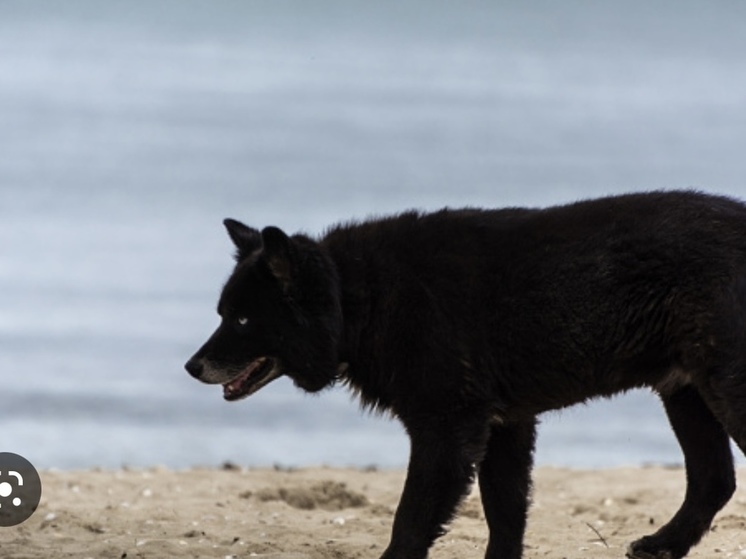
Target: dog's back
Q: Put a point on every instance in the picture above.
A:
(550, 306)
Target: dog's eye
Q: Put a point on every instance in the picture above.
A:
(242, 321)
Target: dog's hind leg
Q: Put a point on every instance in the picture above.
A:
(724, 385)
(709, 471)
(444, 453)
(725, 393)
(505, 484)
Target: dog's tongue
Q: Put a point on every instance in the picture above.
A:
(236, 385)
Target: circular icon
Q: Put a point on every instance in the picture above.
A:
(20, 489)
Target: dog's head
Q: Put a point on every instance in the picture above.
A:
(280, 315)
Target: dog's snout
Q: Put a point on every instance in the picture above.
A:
(195, 367)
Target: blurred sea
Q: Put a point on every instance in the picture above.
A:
(129, 130)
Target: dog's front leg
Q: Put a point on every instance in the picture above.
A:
(505, 484)
(442, 465)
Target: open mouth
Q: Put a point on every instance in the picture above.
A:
(260, 372)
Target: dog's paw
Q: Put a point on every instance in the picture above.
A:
(646, 549)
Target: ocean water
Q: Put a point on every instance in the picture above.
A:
(129, 130)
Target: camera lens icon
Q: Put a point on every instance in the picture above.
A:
(6, 489)
(20, 489)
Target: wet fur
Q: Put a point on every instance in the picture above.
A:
(466, 324)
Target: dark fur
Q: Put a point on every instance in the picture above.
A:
(466, 324)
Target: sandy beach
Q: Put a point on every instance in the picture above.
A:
(326, 513)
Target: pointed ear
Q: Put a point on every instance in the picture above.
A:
(248, 241)
(277, 254)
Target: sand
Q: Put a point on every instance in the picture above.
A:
(325, 513)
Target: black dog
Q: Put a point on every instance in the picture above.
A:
(466, 324)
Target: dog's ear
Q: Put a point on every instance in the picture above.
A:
(278, 255)
(248, 241)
